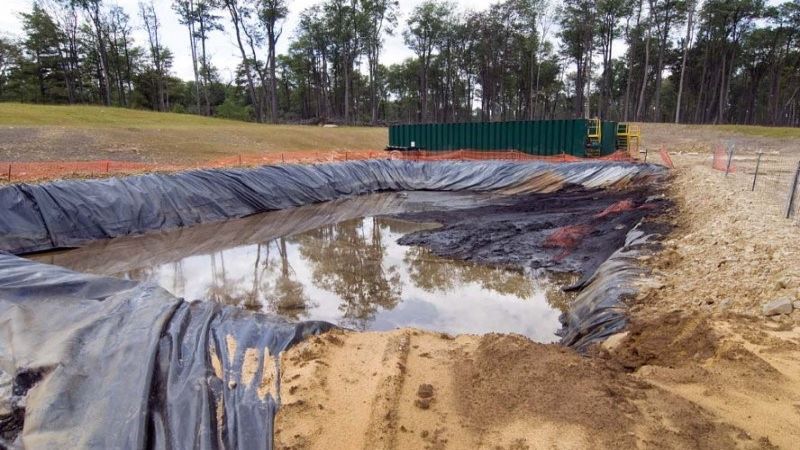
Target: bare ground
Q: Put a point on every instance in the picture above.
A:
(702, 138)
(699, 367)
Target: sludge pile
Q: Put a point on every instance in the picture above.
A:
(129, 357)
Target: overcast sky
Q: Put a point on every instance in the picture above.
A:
(223, 51)
(221, 46)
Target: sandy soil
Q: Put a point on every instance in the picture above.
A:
(700, 138)
(699, 367)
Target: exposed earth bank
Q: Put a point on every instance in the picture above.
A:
(699, 366)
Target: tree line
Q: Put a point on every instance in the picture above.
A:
(688, 61)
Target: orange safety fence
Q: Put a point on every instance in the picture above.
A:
(665, 158)
(723, 160)
(30, 171)
(33, 171)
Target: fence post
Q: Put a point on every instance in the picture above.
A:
(793, 192)
(240, 159)
(731, 148)
(755, 175)
(9, 172)
(108, 163)
(645, 154)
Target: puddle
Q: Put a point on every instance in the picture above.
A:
(329, 262)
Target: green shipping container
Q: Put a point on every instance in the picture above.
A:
(608, 141)
(537, 137)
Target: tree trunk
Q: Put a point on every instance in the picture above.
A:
(261, 92)
(701, 94)
(128, 69)
(273, 84)
(722, 77)
(605, 96)
(105, 85)
(193, 46)
(346, 70)
(660, 67)
(686, 44)
(272, 41)
(423, 94)
(631, 49)
(373, 91)
(587, 114)
(578, 103)
(62, 62)
(533, 79)
(645, 74)
(206, 68)
(245, 62)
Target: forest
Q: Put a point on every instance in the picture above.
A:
(683, 61)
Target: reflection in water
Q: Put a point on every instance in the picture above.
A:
(347, 259)
(354, 274)
(268, 283)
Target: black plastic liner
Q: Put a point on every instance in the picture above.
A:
(599, 311)
(69, 213)
(97, 362)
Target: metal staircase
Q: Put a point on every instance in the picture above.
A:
(628, 138)
(594, 138)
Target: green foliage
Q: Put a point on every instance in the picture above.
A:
(231, 109)
(619, 59)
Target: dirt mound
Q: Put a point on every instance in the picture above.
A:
(673, 339)
(508, 378)
(749, 380)
(411, 389)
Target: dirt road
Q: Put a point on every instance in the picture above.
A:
(699, 367)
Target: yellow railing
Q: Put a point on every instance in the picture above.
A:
(595, 130)
(629, 138)
(595, 137)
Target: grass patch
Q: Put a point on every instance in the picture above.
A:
(81, 116)
(754, 130)
(55, 132)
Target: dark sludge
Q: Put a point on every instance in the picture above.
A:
(595, 233)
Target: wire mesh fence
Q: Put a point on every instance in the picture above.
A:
(772, 179)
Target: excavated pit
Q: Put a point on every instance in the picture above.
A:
(341, 262)
(445, 262)
(92, 338)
